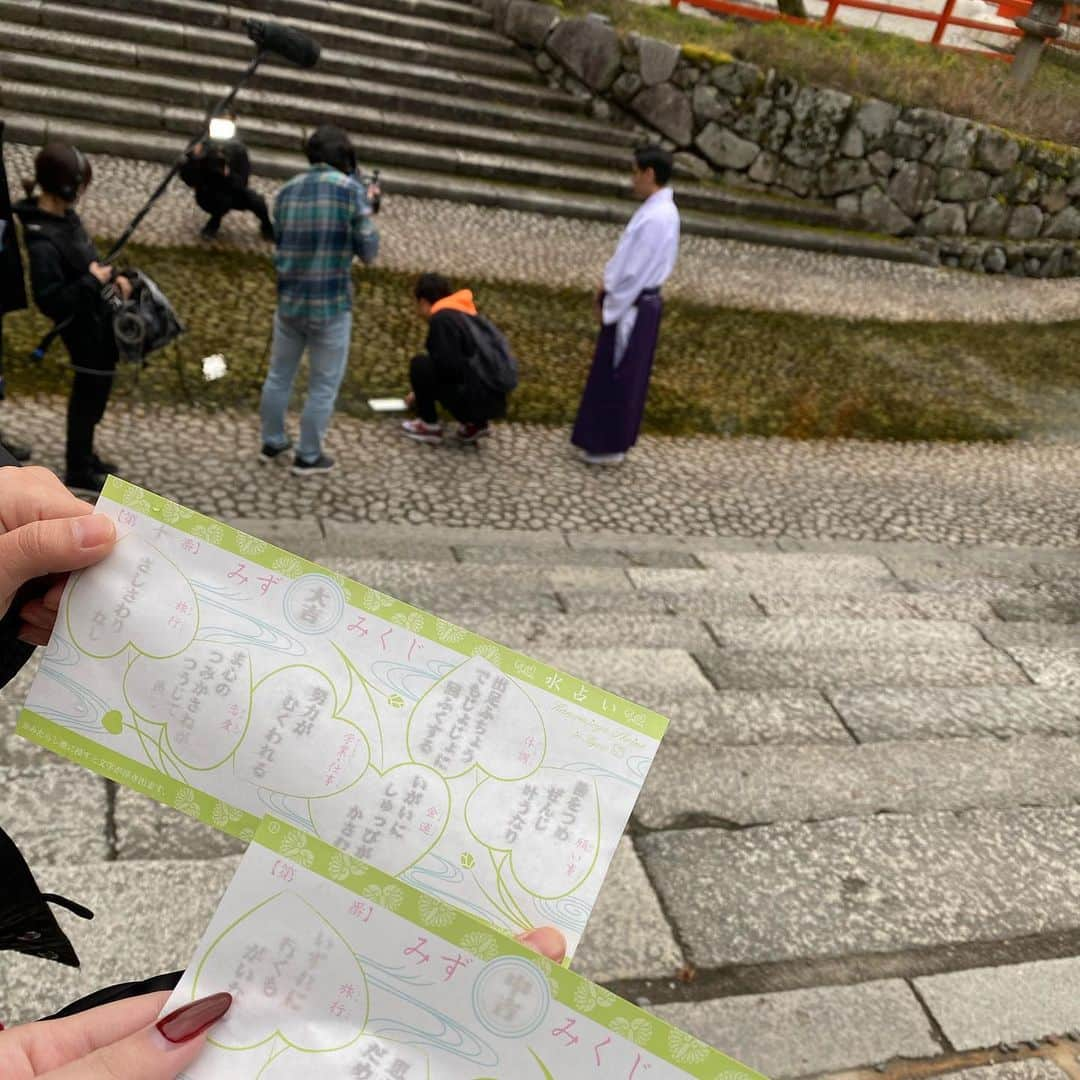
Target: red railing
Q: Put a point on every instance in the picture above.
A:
(942, 20)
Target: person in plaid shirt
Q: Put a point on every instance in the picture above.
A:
(322, 218)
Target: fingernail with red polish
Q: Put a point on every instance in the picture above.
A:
(191, 1020)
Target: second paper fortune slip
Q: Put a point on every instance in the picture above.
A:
(228, 679)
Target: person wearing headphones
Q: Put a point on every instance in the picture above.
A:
(321, 221)
(67, 278)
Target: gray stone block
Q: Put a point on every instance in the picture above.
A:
(752, 718)
(667, 109)
(531, 632)
(835, 634)
(963, 185)
(642, 675)
(725, 149)
(627, 936)
(809, 1032)
(996, 152)
(588, 556)
(989, 219)
(743, 669)
(1000, 712)
(589, 49)
(912, 187)
(845, 175)
(1025, 223)
(987, 1006)
(658, 60)
(634, 545)
(948, 220)
(759, 785)
(145, 829)
(883, 213)
(1064, 225)
(56, 814)
(862, 606)
(1026, 1069)
(1031, 635)
(149, 917)
(579, 601)
(353, 539)
(1058, 668)
(865, 886)
(529, 23)
(800, 572)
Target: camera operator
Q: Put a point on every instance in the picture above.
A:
(220, 171)
(67, 279)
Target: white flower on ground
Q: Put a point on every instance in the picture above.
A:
(213, 367)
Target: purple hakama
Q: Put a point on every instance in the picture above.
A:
(613, 404)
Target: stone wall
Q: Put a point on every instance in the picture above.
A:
(983, 198)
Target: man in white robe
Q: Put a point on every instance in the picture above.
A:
(629, 308)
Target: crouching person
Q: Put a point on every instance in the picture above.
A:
(466, 366)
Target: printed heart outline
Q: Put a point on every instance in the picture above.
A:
(356, 678)
(382, 775)
(92, 572)
(334, 715)
(509, 851)
(476, 658)
(164, 724)
(277, 1032)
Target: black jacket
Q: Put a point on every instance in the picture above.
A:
(206, 169)
(60, 254)
(449, 344)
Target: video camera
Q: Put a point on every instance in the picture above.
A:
(144, 323)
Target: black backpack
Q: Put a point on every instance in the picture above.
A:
(492, 361)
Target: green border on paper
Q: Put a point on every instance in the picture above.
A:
(473, 935)
(373, 602)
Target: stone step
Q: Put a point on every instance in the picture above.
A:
(832, 669)
(741, 786)
(377, 133)
(345, 50)
(615, 209)
(1000, 712)
(174, 77)
(199, 13)
(887, 889)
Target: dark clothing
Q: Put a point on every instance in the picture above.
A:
(220, 174)
(613, 404)
(60, 253)
(12, 288)
(443, 374)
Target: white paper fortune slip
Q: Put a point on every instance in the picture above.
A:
(228, 679)
(342, 972)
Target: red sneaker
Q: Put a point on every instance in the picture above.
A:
(470, 433)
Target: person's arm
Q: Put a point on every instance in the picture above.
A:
(365, 237)
(625, 273)
(58, 298)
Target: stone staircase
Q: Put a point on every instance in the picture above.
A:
(856, 848)
(443, 105)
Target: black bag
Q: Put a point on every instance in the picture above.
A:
(492, 361)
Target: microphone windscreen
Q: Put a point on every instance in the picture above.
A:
(294, 45)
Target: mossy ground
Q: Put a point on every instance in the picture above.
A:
(718, 371)
(873, 64)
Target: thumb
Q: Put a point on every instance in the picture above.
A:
(51, 547)
(160, 1051)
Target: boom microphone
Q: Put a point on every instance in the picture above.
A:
(294, 45)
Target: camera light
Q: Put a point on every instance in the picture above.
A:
(222, 127)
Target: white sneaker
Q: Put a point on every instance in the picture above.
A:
(604, 459)
(421, 432)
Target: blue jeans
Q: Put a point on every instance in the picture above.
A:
(327, 342)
